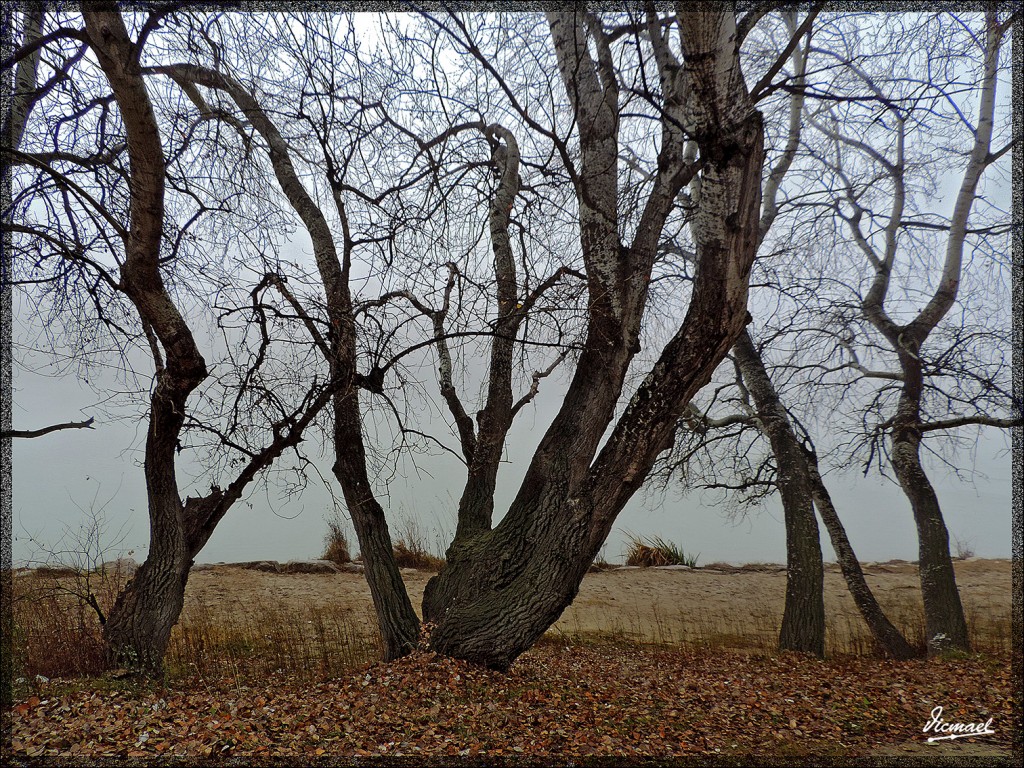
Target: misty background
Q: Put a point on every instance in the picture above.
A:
(59, 479)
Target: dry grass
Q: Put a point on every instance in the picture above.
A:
(412, 549)
(315, 643)
(758, 632)
(57, 632)
(655, 551)
(56, 619)
(336, 548)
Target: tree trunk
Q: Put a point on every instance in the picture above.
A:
(502, 589)
(803, 619)
(945, 625)
(397, 620)
(138, 628)
(139, 625)
(888, 639)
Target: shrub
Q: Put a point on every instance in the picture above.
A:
(656, 551)
(415, 556)
(412, 550)
(336, 542)
(964, 549)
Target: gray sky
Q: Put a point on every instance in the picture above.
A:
(56, 478)
(56, 474)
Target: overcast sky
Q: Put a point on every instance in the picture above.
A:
(58, 477)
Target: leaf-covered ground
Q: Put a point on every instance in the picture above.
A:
(558, 703)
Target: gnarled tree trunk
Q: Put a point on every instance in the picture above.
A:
(502, 588)
(140, 622)
(139, 625)
(803, 619)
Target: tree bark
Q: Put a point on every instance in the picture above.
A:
(397, 620)
(889, 641)
(945, 625)
(502, 588)
(803, 619)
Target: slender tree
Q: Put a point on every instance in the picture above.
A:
(897, 110)
(92, 204)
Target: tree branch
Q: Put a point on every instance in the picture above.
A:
(46, 430)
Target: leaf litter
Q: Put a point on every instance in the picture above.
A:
(560, 701)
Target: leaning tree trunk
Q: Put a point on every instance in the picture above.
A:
(803, 619)
(396, 618)
(399, 625)
(945, 625)
(888, 639)
(139, 625)
(502, 588)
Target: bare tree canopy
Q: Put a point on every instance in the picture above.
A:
(491, 201)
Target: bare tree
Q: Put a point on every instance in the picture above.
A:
(882, 156)
(959, 350)
(504, 584)
(106, 234)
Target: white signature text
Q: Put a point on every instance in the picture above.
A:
(952, 731)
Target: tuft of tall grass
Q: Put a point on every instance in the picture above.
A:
(411, 548)
(655, 551)
(336, 548)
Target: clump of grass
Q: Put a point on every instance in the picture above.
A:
(336, 547)
(655, 551)
(412, 551)
(412, 555)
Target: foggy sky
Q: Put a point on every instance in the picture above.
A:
(56, 475)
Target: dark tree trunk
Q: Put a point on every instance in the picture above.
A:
(139, 625)
(803, 619)
(138, 628)
(888, 639)
(397, 620)
(502, 588)
(945, 625)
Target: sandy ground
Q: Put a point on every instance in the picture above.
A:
(741, 607)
